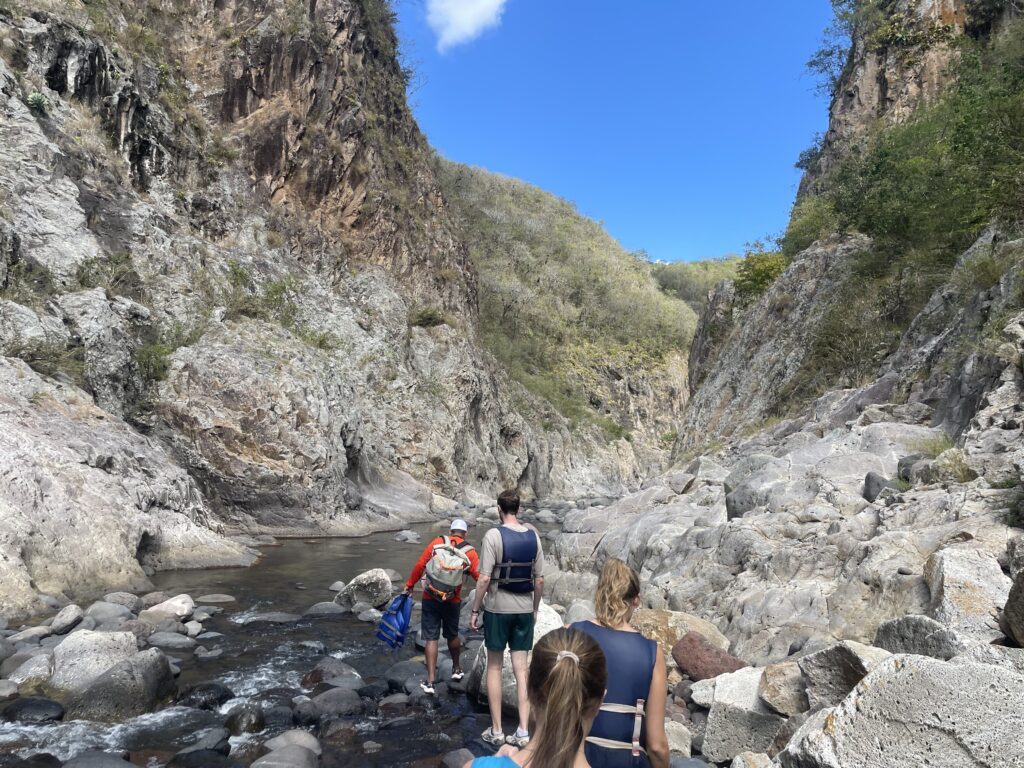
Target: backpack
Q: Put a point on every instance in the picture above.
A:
(395, 622)
(447, 568)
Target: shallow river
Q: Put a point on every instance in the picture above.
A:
(290, 577)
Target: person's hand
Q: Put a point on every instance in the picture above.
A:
(474, 620)
(407, 591)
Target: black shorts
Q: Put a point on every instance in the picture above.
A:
(438, 616)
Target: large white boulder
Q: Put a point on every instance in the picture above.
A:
(84, 656)
(372, 587)
(739, 721)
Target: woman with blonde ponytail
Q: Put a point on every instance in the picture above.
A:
(566, 685)
(629, 732)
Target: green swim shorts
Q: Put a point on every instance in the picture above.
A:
(514, 630)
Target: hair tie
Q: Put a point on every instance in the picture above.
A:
(568, 655)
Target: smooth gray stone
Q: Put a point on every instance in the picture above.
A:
(171, 640)
(97, 759)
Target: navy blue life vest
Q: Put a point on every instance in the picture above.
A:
(518, 554)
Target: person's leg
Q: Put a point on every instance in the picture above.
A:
(521, 670)
(494, 661)
(455, 649)
(450, 629)
(430, 651)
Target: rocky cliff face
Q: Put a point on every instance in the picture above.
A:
(898, 61)
(219, 224)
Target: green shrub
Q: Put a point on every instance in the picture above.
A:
(153, 361)
(758, 270)
(427, 317)
(691, 280)
(812, 219)
(37, 102)
(933, 447)
(52, 359)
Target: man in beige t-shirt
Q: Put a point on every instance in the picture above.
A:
(510, 588)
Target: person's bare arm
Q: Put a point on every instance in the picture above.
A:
(657, 740)
(481, 589)
(538, 592)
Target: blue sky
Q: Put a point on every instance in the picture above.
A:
(675, 122)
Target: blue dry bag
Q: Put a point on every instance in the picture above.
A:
(395, 621)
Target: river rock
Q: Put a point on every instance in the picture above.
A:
(968, 589)
(247, 718)
(327, 668)
(699, 659)
(8, 690)
(393, 705)
(784, 689)
(831, 673)
(32, 635)
(6, 650)
(153, 598)
(292, 756)
(397, 674)
(98, 759)
(132, 602)
(130, 688)
(914, 710)
(215, 599)
(171, 640)
(457, 758)
(407, 537)
(739, 721)
(102, 612)
(1013, 612)
(295, 737)
(32, 711)
(180, 607)
(324, 609)
(751, 760)
(337, 586)
(203, 758)
(214, 740)
(84, 656)
(66, 620)
(33, 674)
(338, 702)
(193, 628)
(370, 616)
(205, 696)
(679, 738)
(273, 617)
(922, 636)
(371, 587)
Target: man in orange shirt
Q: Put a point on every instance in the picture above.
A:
(441, 607)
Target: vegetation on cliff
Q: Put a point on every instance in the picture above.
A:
(691, 280)
(559, 297)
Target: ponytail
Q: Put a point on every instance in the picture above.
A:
(566, 686)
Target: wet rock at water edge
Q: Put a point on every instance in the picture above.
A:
(325, 609)
(215, 599)
(214, 740)
(338, 702)
(292, 756)
(102, 612)
(84, 656)
(457, 759)
(337, 586)
(295, 737)
(8, 690)
(38, 760)
(205, 696)
(371, 747)
(126, 599)
(32, 711)
(397, 674)
(273, 617)
(407, 537)
(7, 650)
(373, 587)
(171, 640)
(32, 635)
(130, 688)
(327, 668)
(247, 718)
(202, 653)
(98, 759)
(203, 759)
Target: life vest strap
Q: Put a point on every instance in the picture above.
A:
(637, 710)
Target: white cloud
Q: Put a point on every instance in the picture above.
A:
(459, 21)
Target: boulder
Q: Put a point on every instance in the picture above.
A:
(998, 655)
(8, 690)
(679, 738)
(751, 760)
(98, 759)
(338, 702)
(6, 650)
(918, 711)
(273, 617)
(34, 673)
(84, 656)
(324, 609)
(295, 737)
(739, 721)
(247, 718)
(330, 667)
(171, 640)
(32, 711)
(214, 740)
(968, 589)
(126, 599)
(875, 483)
(831, 673)
(337, 586)
(193, 629)
(784, 689)
(180, 607)
(215, 599)
(66, 619)
(920, 635)
(407, 537)
(205, 696)
(699, 659)
(103, 613)
(397, 674)
(1013, 612)
(668, 627)
(128, 689)
(371, 587)
(203, 758)
(32, 635)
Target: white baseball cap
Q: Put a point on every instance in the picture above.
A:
(458, 524)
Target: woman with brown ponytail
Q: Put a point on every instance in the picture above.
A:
(629, 732)
(566, 685)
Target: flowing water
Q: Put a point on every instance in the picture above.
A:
(264, 659)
